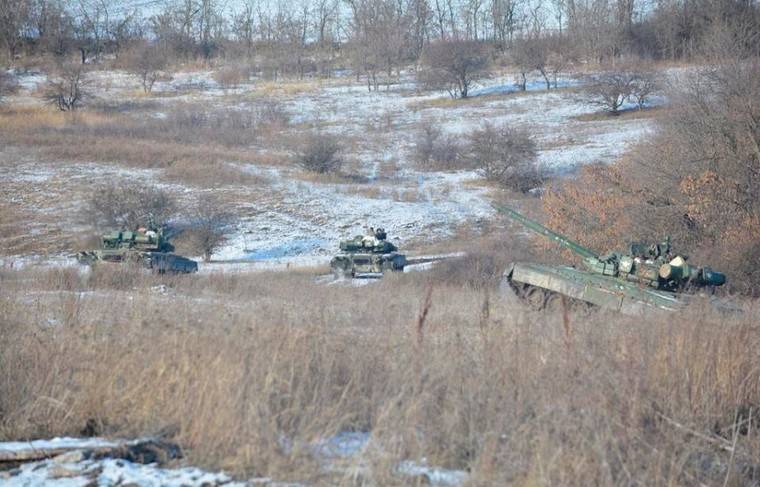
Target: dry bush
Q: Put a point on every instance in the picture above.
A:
(697, 180)
(192, 143)
(8, 84)
(434, 149)
(482, 267)
(249, 382)
(272, 113)
(194, 123)
(150, 64)
(609, 90)
(128, 205)
(319, 153)
(231, 76)
(506, 156)
(612, 88)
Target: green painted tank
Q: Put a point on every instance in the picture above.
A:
(145, 246)
(367, 256)
(650, 276)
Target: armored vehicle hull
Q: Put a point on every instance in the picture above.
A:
(161, 262)
(366, 264)
(145, 246)
(367, 256)
(539, 284)
(648, 277)
(174, 264)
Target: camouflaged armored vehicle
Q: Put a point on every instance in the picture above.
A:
(145, 246)
(367, 256)
(650, 276)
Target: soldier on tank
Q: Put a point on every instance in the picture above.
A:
(370, 240)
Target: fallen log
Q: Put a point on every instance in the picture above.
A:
(148, 450)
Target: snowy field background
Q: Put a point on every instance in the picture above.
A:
(290, 217)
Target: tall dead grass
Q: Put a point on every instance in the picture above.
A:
(247, 378)
(192, 143)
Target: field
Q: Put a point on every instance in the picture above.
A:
(259, 368)
(192, 137)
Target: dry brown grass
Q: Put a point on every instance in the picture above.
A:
(287, 87)
(649, 112)
(191, 152)
(230, 365)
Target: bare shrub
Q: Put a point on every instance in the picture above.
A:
(193, 123)
(453, 66)
(613, 88)
(127, 205)
(610, 89)
(434, 149)
(230, 76)
(150, 64)
(68, 87)
(272, 113)
(645, 83)
(8, 84)
(208, 227)
(319, 153)
(506, 156)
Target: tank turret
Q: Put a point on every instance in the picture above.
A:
(367, 255)
(145, 245)
(654, 265)
(650, 275)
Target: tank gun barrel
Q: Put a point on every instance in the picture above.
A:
(542, 230)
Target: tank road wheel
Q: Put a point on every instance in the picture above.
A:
(554, 302)
(535, 297)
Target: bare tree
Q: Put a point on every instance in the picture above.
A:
(610, 89)
(379, 42)
(67, 89)
(645, 83)
(504, 21)
(13, 16)
(128, 205)
(506, 156)
(209, 226)
(453, 66)
(54, 26)
(613, 88)
(244, 27)
(528, 55)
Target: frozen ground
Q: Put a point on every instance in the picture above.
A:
(289, 216)
(342, 454)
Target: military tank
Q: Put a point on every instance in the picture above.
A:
(145, 246)
(369, 255)
(648, 277)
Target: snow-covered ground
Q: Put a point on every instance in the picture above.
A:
(304, 218)
(289, 216)
(78, 468)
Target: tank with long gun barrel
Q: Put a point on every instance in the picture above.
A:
(649, 274)
(147, 246)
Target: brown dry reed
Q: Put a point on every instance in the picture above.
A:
(248, 371)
